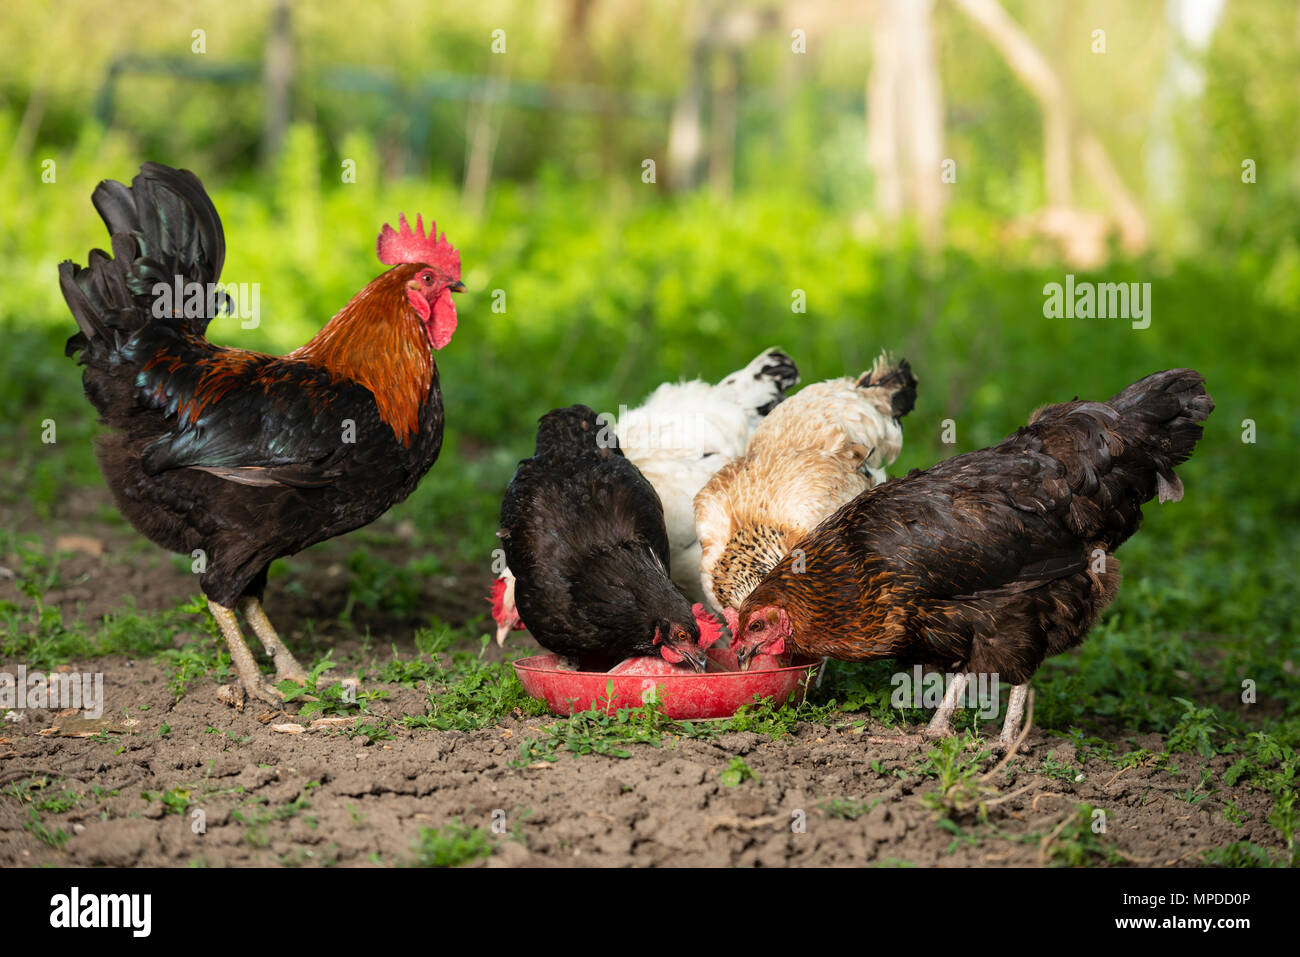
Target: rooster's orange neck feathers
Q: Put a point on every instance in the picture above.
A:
(377, 340)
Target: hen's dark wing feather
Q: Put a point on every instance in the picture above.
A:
(975, 522)
(244, 416)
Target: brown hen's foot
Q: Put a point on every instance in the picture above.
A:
(245, 664)
(286, 665)
(940, 725)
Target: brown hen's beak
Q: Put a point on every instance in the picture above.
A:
(456, 286)
(744, 657)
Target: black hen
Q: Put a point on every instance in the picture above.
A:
(584, 534)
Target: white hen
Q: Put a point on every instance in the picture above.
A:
(686, 431)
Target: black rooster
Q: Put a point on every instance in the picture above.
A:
(241, 456)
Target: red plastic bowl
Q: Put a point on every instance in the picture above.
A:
(685, 696)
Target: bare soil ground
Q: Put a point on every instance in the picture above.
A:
(819, 796)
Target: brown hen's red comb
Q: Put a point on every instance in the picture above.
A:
(413, 246)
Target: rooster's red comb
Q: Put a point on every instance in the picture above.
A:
(408, 245)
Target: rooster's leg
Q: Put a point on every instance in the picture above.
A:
(245, 664)
(286, 665)
(940, 726)
(1015, 709)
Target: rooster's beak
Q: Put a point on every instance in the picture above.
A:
(457, 286)
(743, 659)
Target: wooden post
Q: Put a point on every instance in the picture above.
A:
(277, 78)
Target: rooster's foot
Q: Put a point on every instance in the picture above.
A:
(244, 663)
(263, 690)
(287, 667)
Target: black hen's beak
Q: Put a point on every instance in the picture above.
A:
(456, 286)
(696, 657)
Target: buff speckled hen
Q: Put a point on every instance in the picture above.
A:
(990, 561)
(235, 455)
(811, 454)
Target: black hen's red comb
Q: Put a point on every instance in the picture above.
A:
(408, 245)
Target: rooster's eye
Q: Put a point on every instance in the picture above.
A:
(428, 278)
(756, 626)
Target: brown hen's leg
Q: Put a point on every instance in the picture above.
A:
(245, 664)
(940, 725)
(286, 665)
(1015, 710)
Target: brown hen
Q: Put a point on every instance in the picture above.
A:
(990, 561)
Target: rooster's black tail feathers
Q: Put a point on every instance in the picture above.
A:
(162, 228)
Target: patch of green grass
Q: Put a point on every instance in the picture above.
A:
(378, 585)
(955, 763)
(174, 801)
(257, 815)
(1077, 844)
(374, 729)
(848, 809)
(234, 738)
(39, 794)
(737, 773)
(764, 716)
(55, 838)
(339, 699)
(1195, 731)
(474, 694)
(1051, 767)
(192, 662)
(1272, 765)
(1242, 854)
(595, 732)
(40, 798)
(452, 845)
(863, 689)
